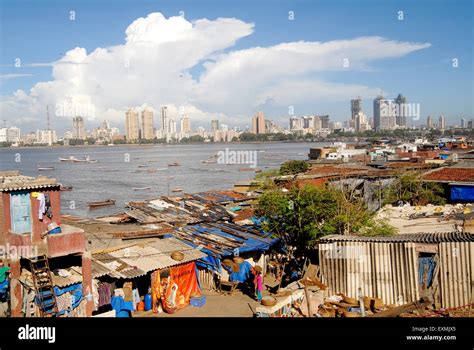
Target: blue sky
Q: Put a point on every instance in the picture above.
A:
(41, 32)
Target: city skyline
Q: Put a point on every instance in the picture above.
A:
(334, 68)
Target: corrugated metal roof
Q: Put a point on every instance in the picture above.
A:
(138, 260)
(75, 277)
(13, 181)
(437, 237)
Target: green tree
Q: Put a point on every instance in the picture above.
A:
(302, 215)
(410, 187)
(294, 167)
(299, 217)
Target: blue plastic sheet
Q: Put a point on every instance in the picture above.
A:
(426, 264)
(462, 193)
(121, 306)
(75, 290)
(244, 273)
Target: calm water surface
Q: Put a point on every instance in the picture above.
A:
(117, 171)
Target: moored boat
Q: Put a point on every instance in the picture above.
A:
(45, 168)
(142, 188)
(101, 203)
(70, 159)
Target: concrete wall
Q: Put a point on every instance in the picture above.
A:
(70, 242)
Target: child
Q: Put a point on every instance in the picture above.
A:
(258, 282)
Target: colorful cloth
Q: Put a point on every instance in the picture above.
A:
(3, 273)
(136, 298)
(104, 294)
(64, 302)
(42, 205)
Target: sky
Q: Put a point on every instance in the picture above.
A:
(230, 59)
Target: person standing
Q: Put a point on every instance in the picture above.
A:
(258, 282)
(4, 275)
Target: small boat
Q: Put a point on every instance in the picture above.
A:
(65, 188)
(174, 164)
(101, 203)
(142, 188)
(142, 166)
(177, 190)
(70, 159)
(45, 168)
(85, 160)
(208, 161)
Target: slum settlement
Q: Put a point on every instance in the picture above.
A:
(214, 253)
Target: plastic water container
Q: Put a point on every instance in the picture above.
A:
(198, 301)
(54, 228)
(147, 302)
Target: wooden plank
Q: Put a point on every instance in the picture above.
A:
(402, 309)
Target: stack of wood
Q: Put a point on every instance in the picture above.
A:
(342, 306)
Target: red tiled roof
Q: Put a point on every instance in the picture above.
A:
(408, 165)
(329, 169)
(452, 175)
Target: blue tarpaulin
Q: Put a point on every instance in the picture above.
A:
(248, 242)
(462, 193)
(75, 290)
(243, 275)
(122, 308)
(427, 266)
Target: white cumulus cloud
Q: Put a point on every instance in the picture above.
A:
(191, 67)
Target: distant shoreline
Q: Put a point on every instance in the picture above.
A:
(160, 144)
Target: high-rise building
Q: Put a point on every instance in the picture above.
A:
(214, 125)
(295, 123)
(384, 116)
(132, 130)
(185, 124)
(13, 134)
(317, 123)
(324, 121)
(442, 122)
(401, 117)
(164, 121)
(148, 127)
(356, 107)
(429, 122)
(172, 126)
(463, 123)
(360, 122)
(258, 123)
(78, 128)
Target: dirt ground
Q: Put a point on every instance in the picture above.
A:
(217, 305)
